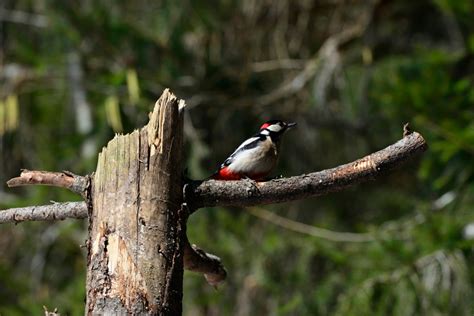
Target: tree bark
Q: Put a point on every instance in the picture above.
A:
(135, 247)
(137, 213)
(213, 193)
(52, 212)
(249, 193)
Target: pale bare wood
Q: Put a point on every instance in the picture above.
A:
(245, 193)
(241, 193)
(197, 260)
(53, 212)
(194, 258)
(65, 179)
(136, 233)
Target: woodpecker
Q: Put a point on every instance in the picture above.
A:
(256, 157)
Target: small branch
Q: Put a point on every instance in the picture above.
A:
(406, 130)
(327, 49)
(308, 229)
(278, 64)
(53, 212)
(65, 179)
(238, 193)
(48, 313)
(247, 193)
(197, 260)
(15, 16)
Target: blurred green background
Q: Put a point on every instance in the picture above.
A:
(351, 73)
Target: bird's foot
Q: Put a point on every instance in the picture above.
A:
(252, 182)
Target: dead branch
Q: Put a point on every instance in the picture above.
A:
(65, 179)
(53, 313)
(217, 193)
(278, 64)
(308, 229)
(197, 260)
(53, 212)
(22, 17)
(327, 49)
(247, 192)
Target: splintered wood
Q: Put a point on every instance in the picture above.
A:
(136, 233)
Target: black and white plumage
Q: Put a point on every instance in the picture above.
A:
(256, 157)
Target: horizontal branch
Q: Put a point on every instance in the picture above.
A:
(53, 212)
(306, 229)
(217, 193)
(247, 192)
(195, 259)
(65, 179)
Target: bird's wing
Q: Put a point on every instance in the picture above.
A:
(246, 145)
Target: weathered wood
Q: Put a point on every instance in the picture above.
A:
(52, 212)
(65, 179)
(247, 192)
(136, 232)
(135, 166)
(194, 258)
(197, 260)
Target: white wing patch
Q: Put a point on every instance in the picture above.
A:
(260, 159)
(238, 151)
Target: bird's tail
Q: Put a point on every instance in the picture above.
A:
(214, 176)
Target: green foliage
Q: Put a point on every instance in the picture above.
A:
(413, 63)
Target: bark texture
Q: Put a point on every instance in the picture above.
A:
(53, 212)
(65, 179)
(135, 262)
(194, 258)
(248, 192)
(197, 260)
(137, 213)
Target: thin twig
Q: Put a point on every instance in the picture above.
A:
(329, 47)
(53, 313)
(278, 64)
(308, 229)
(21, 17)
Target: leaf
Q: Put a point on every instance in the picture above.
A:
(133, 86)
(11, 112)
(112, 111)
(2, 118)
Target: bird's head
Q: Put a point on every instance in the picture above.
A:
(275, 128)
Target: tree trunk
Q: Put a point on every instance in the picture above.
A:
(135, 262)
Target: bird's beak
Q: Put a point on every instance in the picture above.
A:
(290, 125)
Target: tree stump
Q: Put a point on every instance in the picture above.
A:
(136, 231)
(137, 213)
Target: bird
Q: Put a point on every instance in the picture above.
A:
(257, 156)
